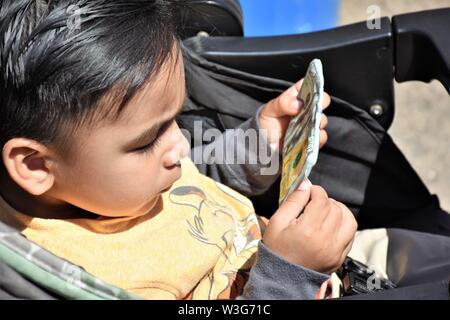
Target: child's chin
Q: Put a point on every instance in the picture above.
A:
(177, 175)
(168, 187)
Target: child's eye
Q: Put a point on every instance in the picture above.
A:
(149, 147)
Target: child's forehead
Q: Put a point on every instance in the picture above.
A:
(161, 92)
(158, 96)
(160, 99)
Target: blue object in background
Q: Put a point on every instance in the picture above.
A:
(280, 17)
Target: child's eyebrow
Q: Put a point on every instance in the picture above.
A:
(150, 134)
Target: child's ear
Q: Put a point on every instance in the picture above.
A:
(29, 164)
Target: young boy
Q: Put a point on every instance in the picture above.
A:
(94, 166)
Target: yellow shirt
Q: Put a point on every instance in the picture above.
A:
(200, 246)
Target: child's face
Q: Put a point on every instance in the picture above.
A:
(114, 173)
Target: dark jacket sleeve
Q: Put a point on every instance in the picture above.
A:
(272, 277)
(240, 158)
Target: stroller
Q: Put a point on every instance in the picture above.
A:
(360, 165)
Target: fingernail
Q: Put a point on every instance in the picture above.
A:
(305, 185)
(296, 105)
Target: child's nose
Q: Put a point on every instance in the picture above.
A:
(179, 150)
(183, 147)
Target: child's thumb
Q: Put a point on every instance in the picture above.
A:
(291, 208)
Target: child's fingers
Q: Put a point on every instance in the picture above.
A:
(291, 207)
(333, 220)
(348, 227)
(288, 104)
(326, 100)
(323, 138)
(323, 122)
(284, 105)
(297, 87)
(317, 209)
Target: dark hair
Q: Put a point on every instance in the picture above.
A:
(59, 58)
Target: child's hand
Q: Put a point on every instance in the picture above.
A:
(320, 238)
(277, 113)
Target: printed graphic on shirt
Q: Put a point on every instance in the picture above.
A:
(237, 243)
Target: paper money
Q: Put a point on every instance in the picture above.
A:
(301, 143)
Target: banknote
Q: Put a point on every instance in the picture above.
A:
(301, 142)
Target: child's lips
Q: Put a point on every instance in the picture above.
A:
(177, 168)
(166, 189)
